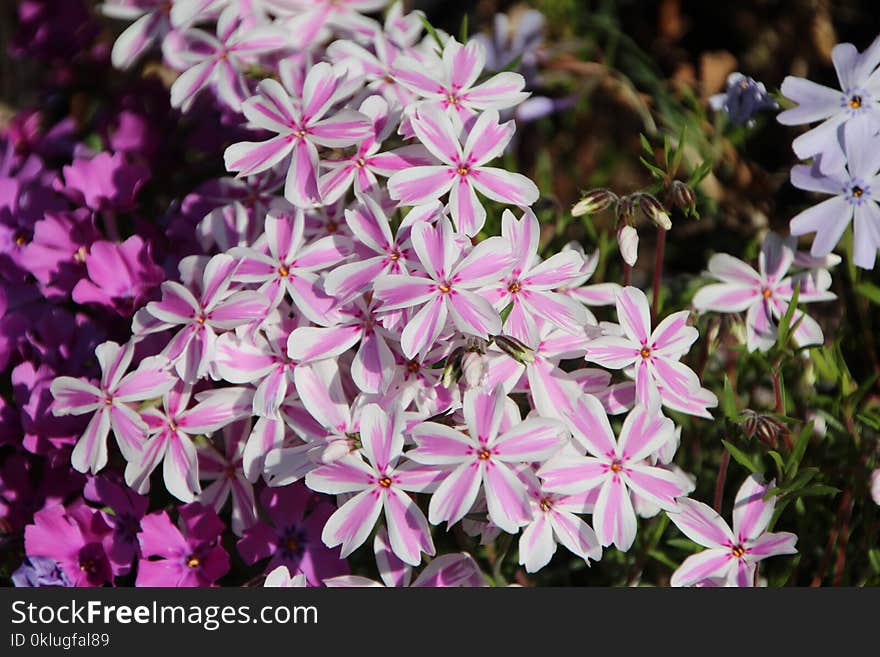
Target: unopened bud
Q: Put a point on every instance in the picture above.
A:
(516, 349)
(628, 241)
(593, 201)
(683, 196)
(655, 211)
(452, 370)
(473, 368)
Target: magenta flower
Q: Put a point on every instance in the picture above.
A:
(105, 182)
(531, 284)
(449, 290)
(732, 555)
(217, 307)
(485, 457)
(219, 61)
(450, 82)
(378, 251)
(77, 538)
(109, 402)
(463, 171)
(291, 265)
(654, 355)
(617, 467)
(121, 277)
(292, 537)
(57, 253)
(765, 294)
(301, 128)
(186, 555)
(381, 483)
(555, 520)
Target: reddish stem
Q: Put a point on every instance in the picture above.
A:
(719, 483)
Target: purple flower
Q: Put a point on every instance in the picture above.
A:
(57, 253)
(742, 99)
(104, 182)
(855, 185)
(77, 538)
(858, 96)
(293, 539)
(123, 510)
(188, 554)
(39, 571)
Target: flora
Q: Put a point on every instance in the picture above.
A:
(344, 334)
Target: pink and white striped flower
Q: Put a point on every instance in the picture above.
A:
(219, 61)
(109, 401)
(218, 307)
(313, 20)
(381, 483)
(530, 285)
(362, 167)
(765, 294)
(463, 171)
(732, 555)
(485, 457)
(555, 520)
(450, 82)
(616, 467)
(654, 355)
(291, 264)
(449, 289)
(377, 251)
(152, 20)
(171, 429)
(224, 469)
(300, 126)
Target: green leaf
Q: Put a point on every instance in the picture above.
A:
(742, 458)
(728, 400)
(646, 145)
(874, 558)
(869, 291)
(783, 333)
(685, 544)
(780, 464)
(463, 31)
(815, 490)
(662, 558)
(656, 171)
(505, 313)
(800, 447)
(431, 31)
(679, 152)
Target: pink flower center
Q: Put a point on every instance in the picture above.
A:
(444, 287)
(616, 465)
(192, 561)
(283, 271)
(645, 352)
(545, 504)
(385, 481)
(360, 163)
(484, 454)
(514, 287)
(462, 171)
(738, 551)
(766, 293)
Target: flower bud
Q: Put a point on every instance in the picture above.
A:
(517, 350)
(473, 368)
(683, 196)
(628, 241)
(452, 370)
(593, 201)
(655, 211)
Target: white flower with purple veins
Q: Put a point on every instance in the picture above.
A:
(219, 61)
(859, 95)
(765, 294)
(732, 556)
(463, 171)
(855, 184)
